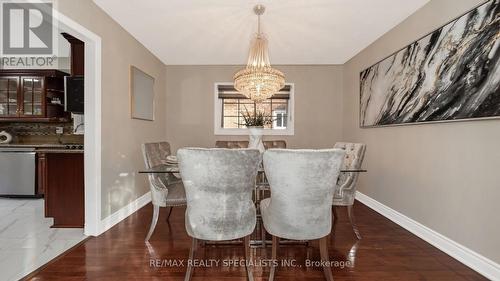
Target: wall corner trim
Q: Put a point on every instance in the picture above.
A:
(124, 212)
(468, 257)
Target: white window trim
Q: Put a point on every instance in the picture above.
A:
(218, 130)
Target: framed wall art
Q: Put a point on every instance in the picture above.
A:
(451, 74)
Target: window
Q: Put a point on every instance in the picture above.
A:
(231, 105)
(279, 121)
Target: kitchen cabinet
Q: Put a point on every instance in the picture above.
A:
(77, 55)
(32, 95)
(9, 101)
(61, 179)
(41, 173)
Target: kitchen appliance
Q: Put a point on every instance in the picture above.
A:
(73, 146)
(73, 94)
(17, 171)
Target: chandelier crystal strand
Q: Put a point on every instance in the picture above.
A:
(259, 81)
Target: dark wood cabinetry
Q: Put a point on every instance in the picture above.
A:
(41, 173)
(32, 95)
(77, 55)
(61, 179)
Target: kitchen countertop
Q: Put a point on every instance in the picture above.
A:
(56, 150)
(44, 148)
(50, 145)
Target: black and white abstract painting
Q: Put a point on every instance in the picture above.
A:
(451, 74)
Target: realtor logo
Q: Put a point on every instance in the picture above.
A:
(27, 28)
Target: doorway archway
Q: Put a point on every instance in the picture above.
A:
(92, 113)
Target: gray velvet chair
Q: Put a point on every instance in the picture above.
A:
(244, 144)
(219, 185)
(261, 184)
(231, 144)
(302, 184)
(274, 144)
(166, 189)
(345, 191)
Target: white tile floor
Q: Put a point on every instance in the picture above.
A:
(26, 239)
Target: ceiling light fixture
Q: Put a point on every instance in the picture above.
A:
(259, 81)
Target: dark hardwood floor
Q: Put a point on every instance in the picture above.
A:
(386, 252)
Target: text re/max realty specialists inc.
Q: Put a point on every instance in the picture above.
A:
(243, 263)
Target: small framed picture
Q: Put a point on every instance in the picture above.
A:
(142, 94)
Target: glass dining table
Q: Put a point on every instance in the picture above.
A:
(261, 188)
(174, 169)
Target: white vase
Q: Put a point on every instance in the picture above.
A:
(255, 136)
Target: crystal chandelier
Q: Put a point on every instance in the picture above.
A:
(259, 81)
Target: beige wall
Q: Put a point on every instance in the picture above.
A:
(445, 176)
(121, 135)
(190, 105)
(442, 175)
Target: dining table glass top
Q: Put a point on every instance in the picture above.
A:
(261, 190)
(173, 169)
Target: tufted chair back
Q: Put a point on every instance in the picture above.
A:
(345, 190)
(244, 144)
(219, 185)
(155, 153)
(231, 144)
(166, 189)
(302, 183)
(274, 144)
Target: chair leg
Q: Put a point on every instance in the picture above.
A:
(189, 271)
(350, 214)
(169, 212)
(308, 249)
(323, 249)
(263, 233)
(248, 258)
(335, 215)
(335, 219)
(154, 220)
(276, 242)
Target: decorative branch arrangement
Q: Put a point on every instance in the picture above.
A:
(258, 119)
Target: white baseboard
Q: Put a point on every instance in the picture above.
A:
(124, 212)
(477, 262)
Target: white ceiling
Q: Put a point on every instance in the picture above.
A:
(187, 32)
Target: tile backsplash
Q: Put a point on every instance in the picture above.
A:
(39, 133)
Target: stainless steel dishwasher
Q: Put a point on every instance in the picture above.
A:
(17, 171)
